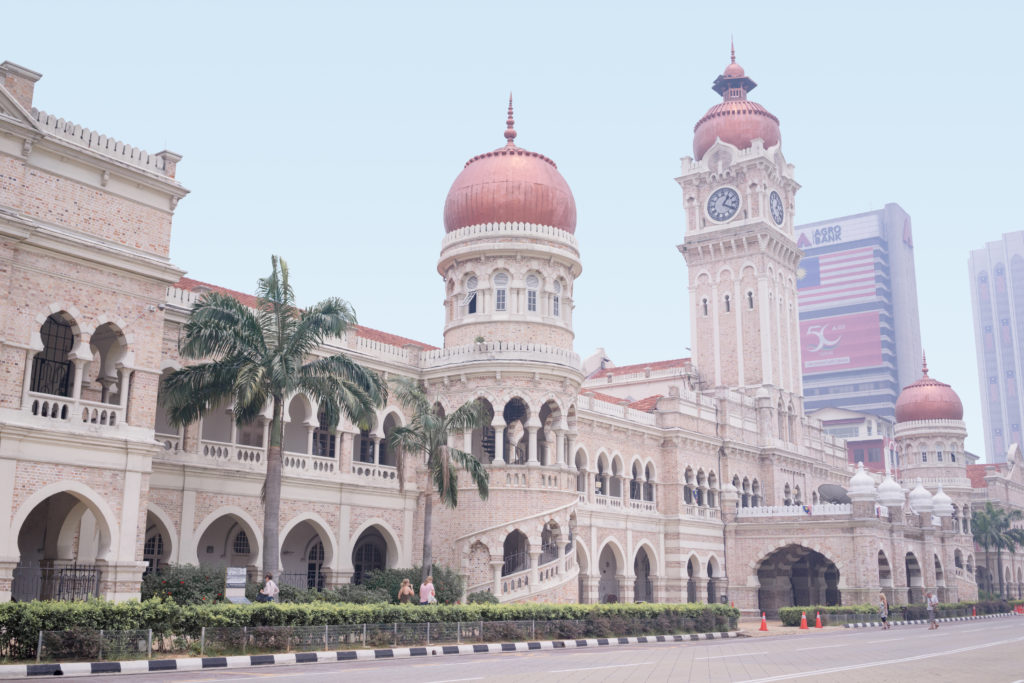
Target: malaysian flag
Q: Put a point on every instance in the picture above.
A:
(841, 278)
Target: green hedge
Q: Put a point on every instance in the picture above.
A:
(21, 622)
(790, 616)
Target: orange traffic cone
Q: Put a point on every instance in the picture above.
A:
(803, 620)
(764, 623)
(817, 621)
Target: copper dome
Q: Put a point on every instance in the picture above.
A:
(736, 119)
(928, 399)
(509, 185)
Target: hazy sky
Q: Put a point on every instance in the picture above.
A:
(330, 133)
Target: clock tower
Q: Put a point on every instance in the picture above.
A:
(739, 247)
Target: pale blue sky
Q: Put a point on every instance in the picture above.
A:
(330, 133)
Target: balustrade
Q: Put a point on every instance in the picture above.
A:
(701, 512)
(64, 409)
(300, 463)
(820, 509)
(375, 473)
(170, 442)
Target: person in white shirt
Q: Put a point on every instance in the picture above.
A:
(270, 589)
(931, 602)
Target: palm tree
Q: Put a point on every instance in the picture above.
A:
(993, 528)
(259, 357)
(428, 432)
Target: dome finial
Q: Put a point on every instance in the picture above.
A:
(732, 49)
(924, 364)
(510, 131)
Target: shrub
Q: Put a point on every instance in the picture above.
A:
(447, 582)
(185, 584)
(790, 616)
(482, 598)
(21, 622)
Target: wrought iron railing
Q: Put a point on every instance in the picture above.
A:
(58, 582)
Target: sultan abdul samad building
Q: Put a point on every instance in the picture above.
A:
(715, 486)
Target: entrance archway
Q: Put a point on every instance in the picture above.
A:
(369, 553)
(915, 580)
(608, 584)
(796, 575)
(60, 539)
(692, 572)
(515, 553)
(643, 587)
(303, 557)
(229, 541)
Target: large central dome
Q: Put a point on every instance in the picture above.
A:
(736, 119)
(510, 185)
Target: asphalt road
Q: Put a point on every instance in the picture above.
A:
(990, 651)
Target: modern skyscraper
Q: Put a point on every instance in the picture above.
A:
(859, 329)
(997, 290)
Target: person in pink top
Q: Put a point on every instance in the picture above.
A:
(427, 592)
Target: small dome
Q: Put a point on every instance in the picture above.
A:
(736, 119)
(928, 399)
(510, 185)
(920, 499)
(890, 494)
(862, 485)
(942, 505)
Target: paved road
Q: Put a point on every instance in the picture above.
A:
(990, 651)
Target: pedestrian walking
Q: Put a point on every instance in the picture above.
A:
(883, 610)
(405, 592)
(427, 592)
(931, 602)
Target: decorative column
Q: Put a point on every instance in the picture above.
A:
(375, 447)
(309, 438)
(532, 426)
(496, 566)
(535, 567)
(625, 587)
(559, 447)
(569, 454)
(499, 440)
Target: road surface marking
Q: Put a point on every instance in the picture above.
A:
(883, 640)
(592, 668)
(852, 667)
(819, 647)
(735, 654)
(455, 680)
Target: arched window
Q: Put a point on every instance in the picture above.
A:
(52, 372)
(728, 303)
(369, 554)
(241, 544)
(471, 285)
(532, 283)
(501, 292)
(704, 306)
(323, 440)
(556, 301)
(750, 300)
(152, 551)
(314, 563)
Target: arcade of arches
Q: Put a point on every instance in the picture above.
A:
(796, 575)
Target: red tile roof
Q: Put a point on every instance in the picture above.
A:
(641, 367)
(251, 301)
(976, 473)
(607, 398)
(646, 405)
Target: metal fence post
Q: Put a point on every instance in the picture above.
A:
(533, 629)
(245, 638)
(481, 630)
(100, 656)
(396, 633)
(364, 635)
(428, 633)
(202, 642)
(149, 645)
(39, 647)
(326, 636)
(458, 633)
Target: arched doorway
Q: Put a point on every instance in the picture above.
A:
(584, 571)
(692, 571)
(712, 580)
(369, 553)
(229, 542)
(940, 581)
(515, 553)
(643, 587)
(915, 580)
(885, 575)
(156, 549)
(796, 575)
(516, 414)
(608, 584)
(302, 558)
(59, 542)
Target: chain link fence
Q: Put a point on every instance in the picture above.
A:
(92, 645)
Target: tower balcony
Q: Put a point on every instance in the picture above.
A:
(502, 352)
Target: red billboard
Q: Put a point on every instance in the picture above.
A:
(840, 342)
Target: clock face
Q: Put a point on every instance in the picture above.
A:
(775, 204)
(723, 204)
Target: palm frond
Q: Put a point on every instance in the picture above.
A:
(190, 392)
